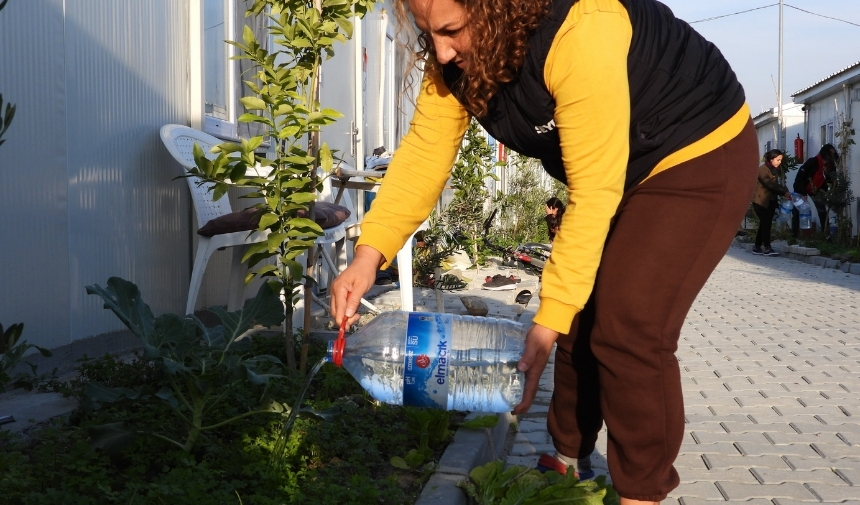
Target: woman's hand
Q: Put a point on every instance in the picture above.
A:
(539, 341)
(356, 280)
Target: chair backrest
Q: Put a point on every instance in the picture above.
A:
(180, 141)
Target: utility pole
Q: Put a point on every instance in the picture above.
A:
(781, 140)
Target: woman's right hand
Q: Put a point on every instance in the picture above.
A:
(352, 284)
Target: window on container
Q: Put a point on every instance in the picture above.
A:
(218, 94)
(223, 78)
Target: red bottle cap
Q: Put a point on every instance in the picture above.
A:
(337, 348)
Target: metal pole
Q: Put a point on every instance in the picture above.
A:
(781, 140)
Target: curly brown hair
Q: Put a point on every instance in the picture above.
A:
(499, 32)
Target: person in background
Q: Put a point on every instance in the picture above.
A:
(554, 211)
(765, 200)
(647, 126)
(813, 176)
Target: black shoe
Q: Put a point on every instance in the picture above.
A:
(757, 251)
(770, 252)
(499, 282)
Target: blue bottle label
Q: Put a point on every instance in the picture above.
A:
(425, 364)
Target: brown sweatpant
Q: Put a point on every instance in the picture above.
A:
(618, 363)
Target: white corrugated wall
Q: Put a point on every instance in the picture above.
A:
(86, 189)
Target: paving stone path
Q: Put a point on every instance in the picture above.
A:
(770, 364)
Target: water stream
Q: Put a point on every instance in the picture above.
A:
(281, 444)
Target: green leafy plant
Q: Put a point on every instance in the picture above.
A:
(345, 461)
(430, 428)
(285, 102)
(473, 167)
(522, 208)
(201, 366)
(12, 351)
(493, 484)
(841, 196)
(437, 243)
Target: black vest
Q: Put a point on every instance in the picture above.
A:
(681, 89)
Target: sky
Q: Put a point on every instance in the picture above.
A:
(813, 47)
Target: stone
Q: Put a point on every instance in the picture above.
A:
(475, 305)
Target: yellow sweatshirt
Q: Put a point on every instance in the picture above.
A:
(586, 73)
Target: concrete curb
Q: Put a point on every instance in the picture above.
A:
(806, 255)
(470, 449)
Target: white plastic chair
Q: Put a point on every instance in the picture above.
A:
(180, 141)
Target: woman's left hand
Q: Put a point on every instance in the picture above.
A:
(539, 341)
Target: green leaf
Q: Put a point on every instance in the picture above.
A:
(295, 268)
(253, 103)
(249, 117)
(267, 220)
(275, 240)
(307, 197)
(327, 415)
(326, 159)
(414, 458)
(345, 25)
(248, 35)
(123, 298)
(166, 394)
(303, 222)
(266, 309)
(332, 113)
(398, 462)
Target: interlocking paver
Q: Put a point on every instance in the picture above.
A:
(696, 501)
(783, 501)
(742, 475)
(735, 491)
(751, 449)
(771, 476)
(713, 437)
(701, 490)
(799, 463)
(833, 493)
(726, 461)
(771, 387)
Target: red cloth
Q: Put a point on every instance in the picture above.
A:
(817, 180)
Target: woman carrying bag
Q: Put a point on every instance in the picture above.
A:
(765, 201)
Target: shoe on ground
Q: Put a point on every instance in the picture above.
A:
(548, 463)
(757, 251)
(511, 277)
(499, 283)
(770, 252)
(383, 278)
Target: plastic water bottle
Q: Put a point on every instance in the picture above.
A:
(785, 208)
(441, 361)
(805, 217)
(797, 200)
